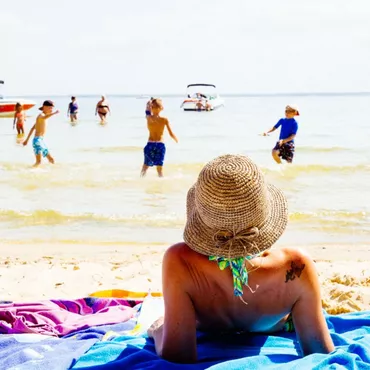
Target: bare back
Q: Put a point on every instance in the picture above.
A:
(211, 290)
(198, 294)
(156, 126)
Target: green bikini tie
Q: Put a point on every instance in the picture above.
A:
(238, 269)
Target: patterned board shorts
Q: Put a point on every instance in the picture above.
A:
(39, 146)
(154, 154)
(286, 151)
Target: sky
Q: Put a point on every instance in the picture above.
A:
(145, 46)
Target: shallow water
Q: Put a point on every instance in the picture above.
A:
(93, 194)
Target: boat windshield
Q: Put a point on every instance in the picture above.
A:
(201, 91)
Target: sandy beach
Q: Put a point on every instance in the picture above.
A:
(29, 273)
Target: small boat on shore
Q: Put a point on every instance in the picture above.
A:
(7, 106)
(202, 97)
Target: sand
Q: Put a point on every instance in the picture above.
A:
(45, 271)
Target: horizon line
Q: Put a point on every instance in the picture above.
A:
(138, 95)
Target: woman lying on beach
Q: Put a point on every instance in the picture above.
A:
(225, 278)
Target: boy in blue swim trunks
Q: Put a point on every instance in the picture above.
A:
(285, 147)
(155, 149)
(39, 147)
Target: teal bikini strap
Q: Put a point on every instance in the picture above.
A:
(238, 269)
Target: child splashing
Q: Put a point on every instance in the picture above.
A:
(19, 119)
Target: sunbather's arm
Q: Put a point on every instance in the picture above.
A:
(309, 321)
(176, 340)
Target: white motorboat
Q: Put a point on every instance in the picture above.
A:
(7, 106)
(202, 97)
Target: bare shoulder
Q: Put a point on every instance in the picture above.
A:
(164, 120)
(179, 257)
(295, 253)
(299, 264)
(176, 266)
(177, 253)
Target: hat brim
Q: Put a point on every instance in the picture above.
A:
(51, 106)
(199, 237)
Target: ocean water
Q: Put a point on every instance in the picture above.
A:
(94, 194)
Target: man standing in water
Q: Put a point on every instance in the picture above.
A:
(155, 149)
(285, 147)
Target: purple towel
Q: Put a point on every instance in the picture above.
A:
(61, 317)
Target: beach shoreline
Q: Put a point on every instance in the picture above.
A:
(69, 271)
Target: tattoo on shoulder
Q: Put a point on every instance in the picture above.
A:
(296, 270)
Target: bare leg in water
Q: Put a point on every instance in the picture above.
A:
(38, 159)
(102, 118)
(275, 155)
(143, 170)
(160, 171)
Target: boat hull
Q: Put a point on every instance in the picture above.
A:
(189, 105)
(7, 106)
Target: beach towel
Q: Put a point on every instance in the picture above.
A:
(125, 344)
(60, 317)
(350, 333)
(37, 351)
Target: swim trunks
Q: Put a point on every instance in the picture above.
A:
(39, 146)
(286, 151)
(148, 113)
(154, 153)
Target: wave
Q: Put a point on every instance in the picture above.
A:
(335, 222)
(323, 149)
(53, 217)
(185, 168)
(306, 216)
(171, 220)
(299, 169)
(328, 214)
(312, 149)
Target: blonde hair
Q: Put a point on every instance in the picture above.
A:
(157, 103)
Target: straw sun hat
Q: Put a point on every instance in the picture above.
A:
(231, 211)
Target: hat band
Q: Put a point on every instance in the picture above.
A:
(225, 238)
